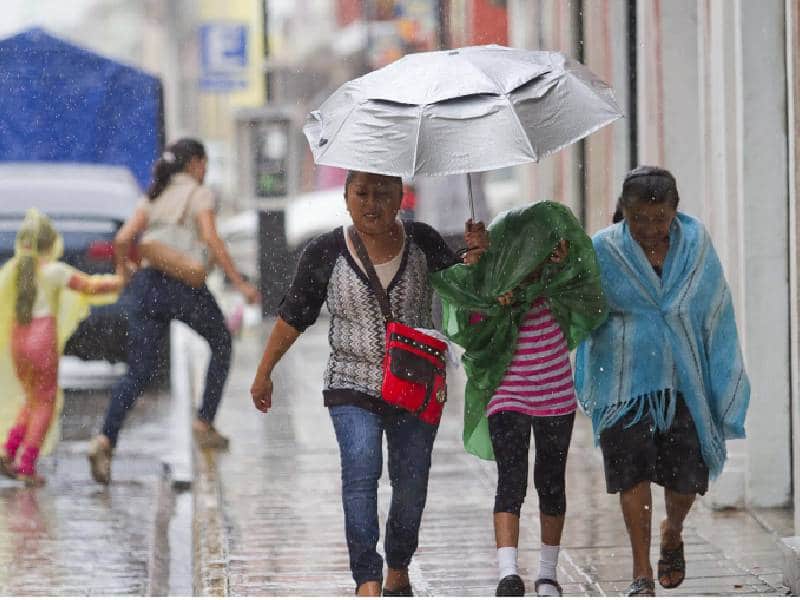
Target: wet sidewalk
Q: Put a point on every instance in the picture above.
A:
(74, 537)
(268, 517)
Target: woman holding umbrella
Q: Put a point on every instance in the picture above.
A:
(663, 379)
(458, 111)
(329, 271)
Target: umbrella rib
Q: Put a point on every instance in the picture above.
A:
(580, 81)
(585, 133)
(416, 142)
(590, 130)
(534, 157)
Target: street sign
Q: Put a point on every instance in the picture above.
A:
(223, 56)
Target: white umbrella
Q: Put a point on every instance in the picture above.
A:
(472, 109)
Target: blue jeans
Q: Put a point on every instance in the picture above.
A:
(410, 442)
(153, 301)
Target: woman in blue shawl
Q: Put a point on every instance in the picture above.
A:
(663, 379)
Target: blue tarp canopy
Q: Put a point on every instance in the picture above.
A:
(60, 102)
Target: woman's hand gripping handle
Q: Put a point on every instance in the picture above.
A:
(477, 241)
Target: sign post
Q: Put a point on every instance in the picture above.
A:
(267, 163)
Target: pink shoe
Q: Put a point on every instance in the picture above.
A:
(13, 442)
(26, 471)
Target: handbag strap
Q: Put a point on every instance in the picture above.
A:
(187, 203)
(372, 276)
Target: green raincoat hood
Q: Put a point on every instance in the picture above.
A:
(521, 242)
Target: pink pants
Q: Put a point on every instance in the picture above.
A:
(34, 351)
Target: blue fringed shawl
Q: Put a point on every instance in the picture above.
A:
(676, 332)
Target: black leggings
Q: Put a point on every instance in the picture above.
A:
(511, 441)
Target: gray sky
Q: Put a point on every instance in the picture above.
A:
(110, 27)
(55, 15)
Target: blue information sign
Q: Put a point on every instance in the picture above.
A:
(223, 56)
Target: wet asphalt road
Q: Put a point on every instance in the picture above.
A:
(76, 538)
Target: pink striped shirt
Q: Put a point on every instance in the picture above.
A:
(538, 381)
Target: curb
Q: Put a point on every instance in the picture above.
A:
(210, 574)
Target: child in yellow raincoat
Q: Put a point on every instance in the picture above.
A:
(42, 301)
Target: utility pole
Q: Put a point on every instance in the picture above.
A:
(442, 37)
(366, 17)
(267, 75)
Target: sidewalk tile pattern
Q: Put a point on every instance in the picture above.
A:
(282, 515)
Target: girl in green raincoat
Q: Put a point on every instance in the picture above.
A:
(518, 312)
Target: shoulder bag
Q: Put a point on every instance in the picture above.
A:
(168, 247)
(414, 373)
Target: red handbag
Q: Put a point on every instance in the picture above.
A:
(414, 372)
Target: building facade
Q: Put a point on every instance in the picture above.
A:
(709, 89)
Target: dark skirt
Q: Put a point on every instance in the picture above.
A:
(672, 459)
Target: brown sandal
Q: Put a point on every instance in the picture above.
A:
(671, 562)
(641, 587)
(403, 591)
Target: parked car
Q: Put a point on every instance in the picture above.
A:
(87, 204)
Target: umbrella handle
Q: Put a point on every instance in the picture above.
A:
(471, 200)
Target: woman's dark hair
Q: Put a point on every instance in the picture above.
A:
(392, 178)
(652, 185)
(175, 158)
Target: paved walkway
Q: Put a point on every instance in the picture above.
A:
(76, 538)
(272, 521)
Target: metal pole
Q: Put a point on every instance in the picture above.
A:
(268, 94)
(793, 93)
(632, 117)
(366, 16)
(441, 25)
(582, 155)
(471, 200)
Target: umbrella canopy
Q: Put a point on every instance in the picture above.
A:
(472, 109)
